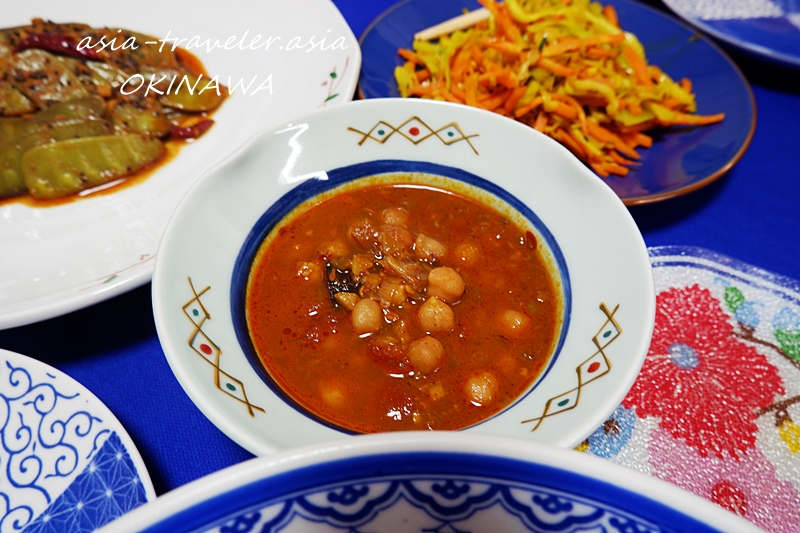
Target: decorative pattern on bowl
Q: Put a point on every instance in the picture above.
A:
(436, 482)
(210, 352)
(595, 367)
(437, 504)
(416, 130)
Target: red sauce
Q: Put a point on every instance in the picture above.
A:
(504, 324)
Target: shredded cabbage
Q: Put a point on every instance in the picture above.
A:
(564, 67)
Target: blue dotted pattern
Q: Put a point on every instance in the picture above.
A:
(108, 488)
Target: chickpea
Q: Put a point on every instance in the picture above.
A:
(445, 284)
(309, 271)
(468, 253)
(334, 248)
(481, 389)
(435, 315)
(332, 343)
(513, 323)
(437, 391)
(395, 215)
(425, 354)
(428, 248)
(332, 394)
(366, 316)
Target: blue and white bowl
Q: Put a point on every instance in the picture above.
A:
(429, 482)
(204, 259)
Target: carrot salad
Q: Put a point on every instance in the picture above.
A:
(565, 68)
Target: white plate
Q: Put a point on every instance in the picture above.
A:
(196, 283)
(68, 464)
(414, 482)
(59, 259)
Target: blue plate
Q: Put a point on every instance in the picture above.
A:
(681, 160)
(767, 29)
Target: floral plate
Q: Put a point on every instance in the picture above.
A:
(62, 258)
(443, 482)
(716, 407)
(68, 464)
(601, 260)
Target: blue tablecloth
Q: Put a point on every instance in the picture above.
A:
(751, 214)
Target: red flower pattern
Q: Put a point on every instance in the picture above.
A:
(704, 384)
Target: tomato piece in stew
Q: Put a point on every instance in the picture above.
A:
(398, 307)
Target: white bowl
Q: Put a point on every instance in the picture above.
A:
(435, 481)
(601, 259)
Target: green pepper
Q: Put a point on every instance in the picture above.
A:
(86, 107)
(45, 78)
(12, 181)
(149, 121)
(90, 107)
(13, 102)
(105, 74)
(190, 93)
(68, 167)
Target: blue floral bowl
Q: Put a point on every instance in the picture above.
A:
(429, 482)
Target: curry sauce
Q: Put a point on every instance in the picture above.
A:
(399, 307)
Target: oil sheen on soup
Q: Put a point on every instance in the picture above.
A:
(400, 307)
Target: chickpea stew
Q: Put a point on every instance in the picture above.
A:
(396, 306)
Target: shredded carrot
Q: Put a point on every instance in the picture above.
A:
(527, 108)
(423, 75)
(638, 65)
(409, 55)
(514, 99)
(567, 140)
(555, 67)
(541, 122)
(635, 108)
(563, 110)
(619, 159)
(461, 63)
(563, 67)
(471, 90)
(594, 52)
(495, 101)
(502, 77)
(511, 49)
(671, 103)
(450, 97)
(611, 15)
(640, 139)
